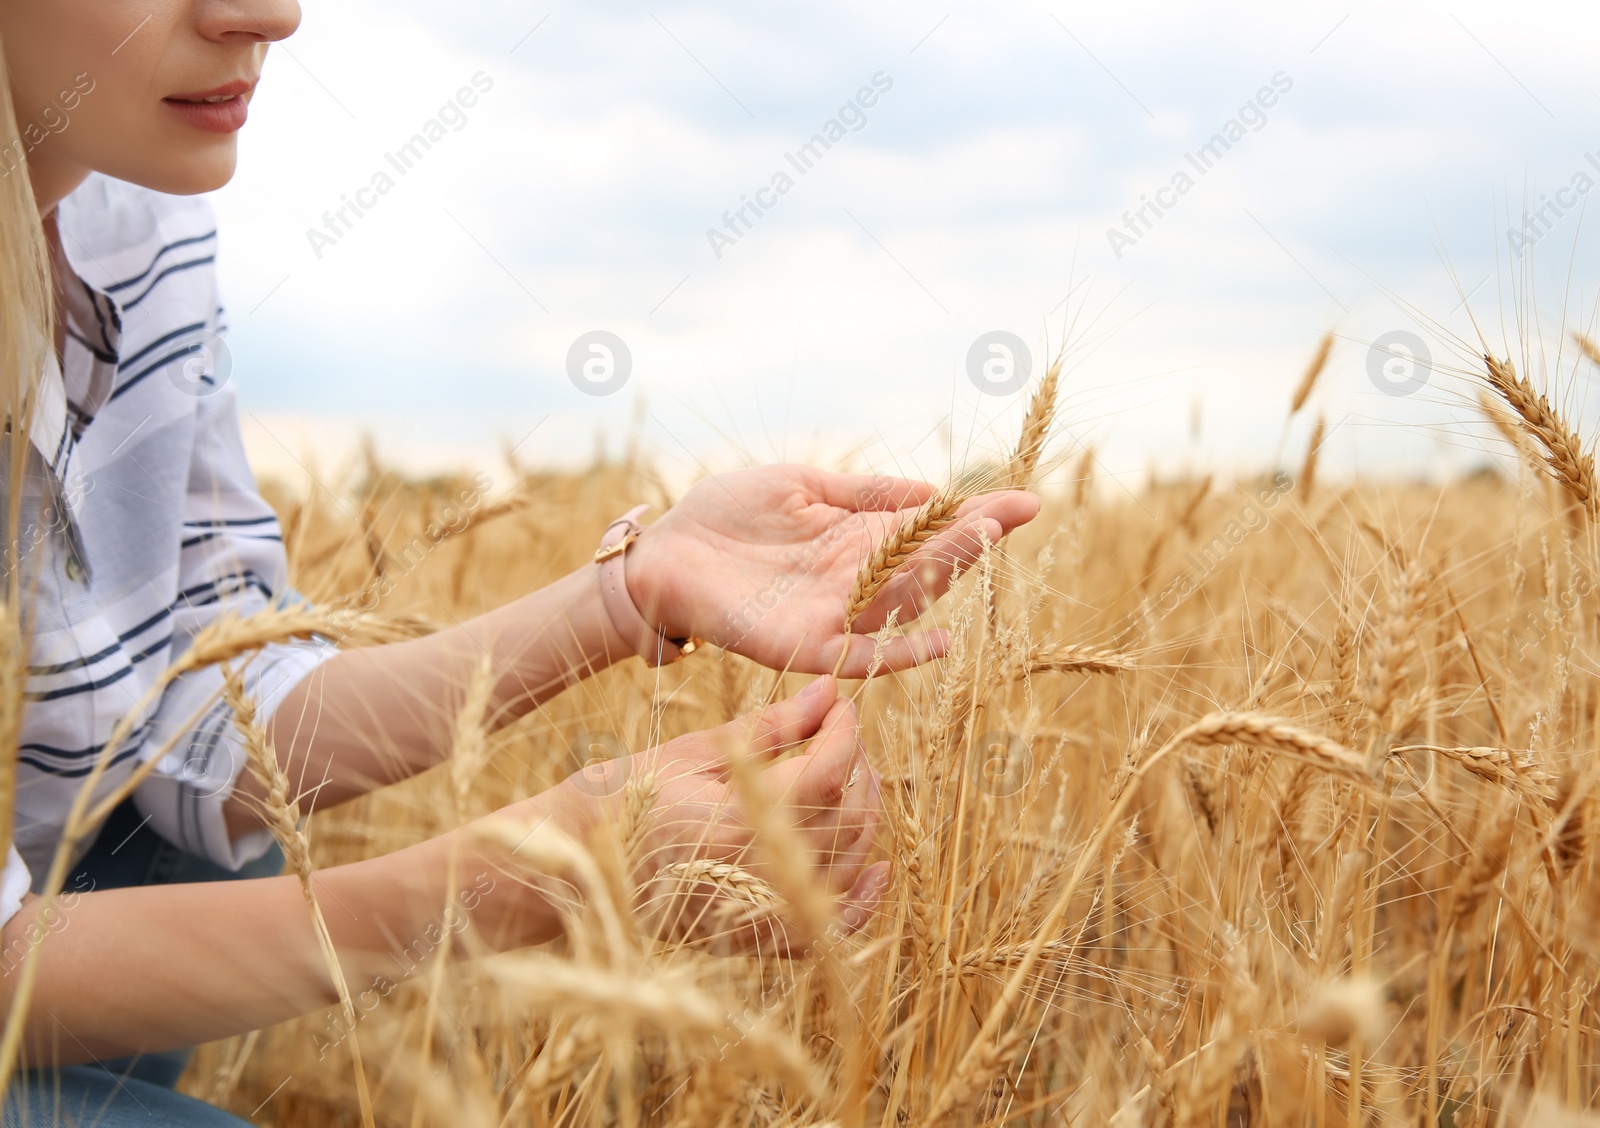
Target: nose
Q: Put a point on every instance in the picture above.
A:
(260, 21)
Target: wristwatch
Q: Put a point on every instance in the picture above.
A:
(651, 642)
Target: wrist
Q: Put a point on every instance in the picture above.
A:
(649, 580)
(638, 597)
(527, 883)
(463, 879)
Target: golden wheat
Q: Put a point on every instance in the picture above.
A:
(931, 519)
(1319, 361)
(1314, 846)
(1565, 456)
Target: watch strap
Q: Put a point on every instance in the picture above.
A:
(649, 642)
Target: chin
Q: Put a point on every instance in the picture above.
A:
(184, 173)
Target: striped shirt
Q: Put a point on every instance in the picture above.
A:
(141, 524)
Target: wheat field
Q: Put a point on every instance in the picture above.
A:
(1248, 802)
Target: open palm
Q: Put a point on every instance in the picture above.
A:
(761, 561)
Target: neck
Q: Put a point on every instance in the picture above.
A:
(52, 182)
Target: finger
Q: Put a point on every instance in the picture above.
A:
(837, 800)
(862, 493)
(787, 723)
(865, 896)
(1009, 507)
(848, 842)
(899, 653)
(824, 769)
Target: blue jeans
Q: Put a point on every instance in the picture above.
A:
(88, 1095)
(111, 1094)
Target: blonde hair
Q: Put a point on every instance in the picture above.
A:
(26, 310)
(27, 340)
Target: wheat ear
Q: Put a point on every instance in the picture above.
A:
(1255, 729)
(1564, 455)
(936, 515)
(1272, 734)
(221, 641)
(757, 899)
(470, 749)
(1587, 346)
(1077, 660)
(665, 1001)
(1035, 429)
(1505, 766)
(281, 813)
(1319, 361)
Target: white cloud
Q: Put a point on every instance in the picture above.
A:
(980, 188)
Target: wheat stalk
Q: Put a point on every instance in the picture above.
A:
(987, 1060)
(1254, 729)
(1213, 1072)
(1308, 469)
(13, 682)
(1471, 885)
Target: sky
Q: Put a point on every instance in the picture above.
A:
(984, 174)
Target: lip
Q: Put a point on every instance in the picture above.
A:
(214, 117)
(237, 86)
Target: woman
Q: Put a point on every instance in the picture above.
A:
(137, 523)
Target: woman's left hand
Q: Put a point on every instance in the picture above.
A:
(761, 561)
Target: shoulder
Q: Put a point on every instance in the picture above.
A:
(119, 236)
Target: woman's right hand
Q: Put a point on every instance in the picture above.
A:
(700, 839)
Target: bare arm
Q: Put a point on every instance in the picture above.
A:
(128, 971)
(759, 561)
(373, 716)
